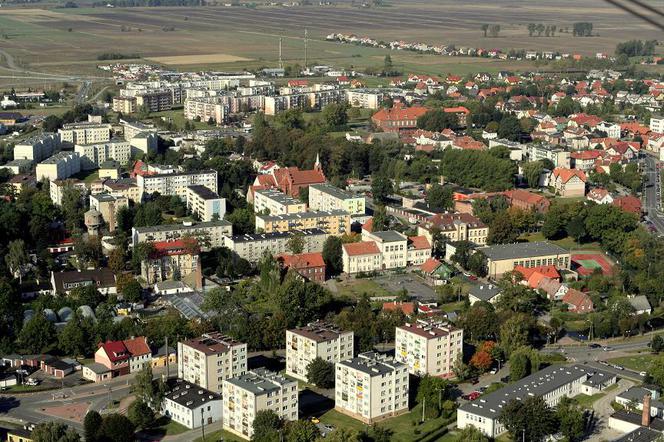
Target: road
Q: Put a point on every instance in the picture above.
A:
(650, 197)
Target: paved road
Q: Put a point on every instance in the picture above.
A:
(650, 198)
(603, 410)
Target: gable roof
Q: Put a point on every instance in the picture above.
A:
(398, 113)
(419, 242)
(361, 248)
(576, 298)
(302, 260)
(115, 350)
(137, 346)
(430, 265)
(408, 308)
(567, 174)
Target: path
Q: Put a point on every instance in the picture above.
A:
(603, 410)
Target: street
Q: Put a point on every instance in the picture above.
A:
(650, 193)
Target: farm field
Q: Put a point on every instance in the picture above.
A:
(68, 41)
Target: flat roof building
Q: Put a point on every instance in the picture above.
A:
(190, 405)
(252, 247)
(503, 258)
(326, 197)
(208, 234)
(336, 222)
(428, 348)
(274, 202)
(205, 203)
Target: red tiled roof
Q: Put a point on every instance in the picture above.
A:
(399, 113)
(175, 247)
(137, 346)
(430, 265)
(456, 110)
(576, 298)
(547, 271)
(115, 350)
(266, 180)
(408, 308)
(302, 260)
(629, 204)
(525, 196)
(419, 242)
(361, 248)
(586, 154)
(368, 225)
(567, 174)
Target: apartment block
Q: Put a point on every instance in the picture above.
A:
(210, 359)
(361, 257)
(276, 203)
(208, 234)
(37, 148)
(155, 100)
(326, 197)
(191, 406)
(428, 348)
(85, 133)
(58, 188)
(252, 247)
(108, 205)
(132, 128)
(316, 340)
(314, 100)
(393, 247)
(60, 166)
(336, 222)
(371, 387)
(124, 105)
(93, 155)
(657, 124)
(364, 98)
(176, 183)
(257, 390)
(206, 204)
(123, 186)
(206, 109)
(455, 227)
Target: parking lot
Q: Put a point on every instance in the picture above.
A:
(412, 283)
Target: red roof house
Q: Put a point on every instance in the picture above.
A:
(578, 302)
(398, 118)
(309, 265)
(629, 204)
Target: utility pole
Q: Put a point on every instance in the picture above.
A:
(202, 425)
(281, 63)
(168, 357)
(306, 33)
(424, 407)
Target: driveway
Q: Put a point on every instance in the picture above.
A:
(603, 410)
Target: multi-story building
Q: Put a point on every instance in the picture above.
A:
(155, 100)
(361, 257)
(428, 348)
(657, 124)
(316, 340)
(58, 188)
(253, 247)
(60, 166)
(124, 357)
(124, 105)
(336, 222)
(255, 391)
(132, 128)
(364, 98)
(108, 205)
(502, 258)
(18, 166)
(37, 148)
(314, 99)
(190, 405)
(568, 182)
(399, 118)
(326, 197)
(208, 234)
(85, 133)
(174, 260)
(393, 247)
(419, 250)
(210, 359)
(455, 227)
(93, 155)
(308, 265)
(176, 183)
(552, 384)
(371, 387)
(206, 204)
(274, 202)
(206, 109)
(558, 156)
(124, 186)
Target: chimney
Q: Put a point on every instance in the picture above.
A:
(645, 416)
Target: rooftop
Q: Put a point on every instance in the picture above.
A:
(247, 237)
(64, 155)
(333, 191)
(373, 364)
(484, 292)
(318, 331)
(429, 331)
(212, 343)
(261, 381)
(189, 395)
(522, 250)
(389, 236)
(303, 215)
(192, 226)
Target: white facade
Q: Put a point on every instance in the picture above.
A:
(209, 359)
(325, 197)
(85, 133)
(257, 390)
(93, 155)
(37, 148)
(274, 202)
(176, 183)
(60, 166)
(364, 98)
(429, 349)
(252, 247)
(56, 189)
(192, 406)
(206, 204)
(657, 125)
(371, 387)
(211, 233)
(316, 340)
(393, 247)
(612, 129)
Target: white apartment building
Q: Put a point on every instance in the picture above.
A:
(206, 204)
(205, 108)
(364, 98)
(326, 197)
(37, 148)
(191, 405)
(428, 348)
(371, 387)
(176, 183)
(276, 203)
(108, 206)
(60, 166)
(612, 130)
(57, 189)
(657, 124)
(551, 383)
(210, 359)
(208, 234)
(361, 257)
(393, 247)
(133, 128)
(93, 155)
(316, 340)
(252, 247)
(85, 133)
(257, 390)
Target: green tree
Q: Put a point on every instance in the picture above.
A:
(302, 431)
(77, 336)
(439, 197)
(54, 432)
(657, 344)
(437, 120)
(380, 219)
(532, 172)
(295, 243)
(38, 334)
(515, 332)
(656, 371)
(523, 362)
(471, 434)
(480, 322)
(116, 428)
(381, 188)
(477, 264)
(140, 414)
(571, 418)
(433, 391)
(132, 291)
(91, 425)
(267, 425)
(333, 255)
(502, 230)
(320, 373)
(243, 220)
(16, 258)
(335, 116)
(510, 128)
(147, 389)
(531, 418)
(576, 228)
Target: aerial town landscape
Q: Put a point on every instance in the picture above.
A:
(344, 220)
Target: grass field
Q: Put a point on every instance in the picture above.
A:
(358, 287)
(67, 41)
(636, 362)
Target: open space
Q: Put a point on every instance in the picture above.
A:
(637, 362)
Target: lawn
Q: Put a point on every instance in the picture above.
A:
(566, 243)
(452, 306)
(636, 362)
(164, 426)
(217, 435)
(87, 176)
(358, 287)
(586, 401)
(404, 428)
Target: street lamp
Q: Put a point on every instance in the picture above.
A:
(202, 424)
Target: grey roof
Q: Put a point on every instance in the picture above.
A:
(538, 384)
(190, 395)
(65, 154)
(168, 285)
(172, 227)
(303, 215)
(522, 250)
(484, 292)
(248, 237)
(373, 364)
(636, 394)
(260, 381)
(187, 173)
(203, 192)
(278, 196)
(640, 303)
(635, 418)
(334, 191)
(188, 304)
(98, 368)
(389, 236)
(640, 435)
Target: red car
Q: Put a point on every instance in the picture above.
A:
(472, 396)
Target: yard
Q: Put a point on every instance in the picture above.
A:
(404, 428)
(166, 427)
(639, 363)
(358, 287)
(218, 435)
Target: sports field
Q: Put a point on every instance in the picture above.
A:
(587, 263)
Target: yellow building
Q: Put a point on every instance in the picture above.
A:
(502, 258)
(19, 435)
(336, 222)
(328, 197)
(163, 355)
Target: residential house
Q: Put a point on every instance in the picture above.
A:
(309, 265)
(398, 118)
(577, 301)
(62, 283)
(190, 405)
(599, 195)
(174, 260)
(484, 292)
(568, 182)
